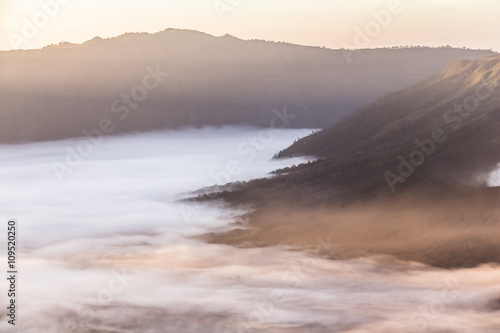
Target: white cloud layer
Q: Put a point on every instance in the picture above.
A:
(110, 250)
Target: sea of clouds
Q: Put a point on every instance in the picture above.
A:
(112, 249)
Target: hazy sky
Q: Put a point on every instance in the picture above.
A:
(331, 23)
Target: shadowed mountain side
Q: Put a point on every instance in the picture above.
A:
(445, 128)
(373, 150)
(175, 78)
(377, 191)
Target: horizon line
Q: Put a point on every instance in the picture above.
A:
(250, 40)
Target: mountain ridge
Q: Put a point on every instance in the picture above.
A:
(422, 134)
(58, 92)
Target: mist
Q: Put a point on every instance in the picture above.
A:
(111, 247)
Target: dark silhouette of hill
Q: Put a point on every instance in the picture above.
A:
(427, 123)
(450, 121)
(405, 176)
(59, 91)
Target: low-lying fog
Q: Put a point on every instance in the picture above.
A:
(107, 247)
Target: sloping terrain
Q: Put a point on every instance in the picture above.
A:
(421, 134)
(403, 177)
(444, 128)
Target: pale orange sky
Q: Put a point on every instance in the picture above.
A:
(330, 23)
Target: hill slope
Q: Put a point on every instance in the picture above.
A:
(448, 125)
(59, 91)
(376, 190)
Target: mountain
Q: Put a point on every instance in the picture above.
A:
(176, 78)
(405, 176)
(444, 128)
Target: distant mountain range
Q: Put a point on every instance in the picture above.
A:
(175, 78)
